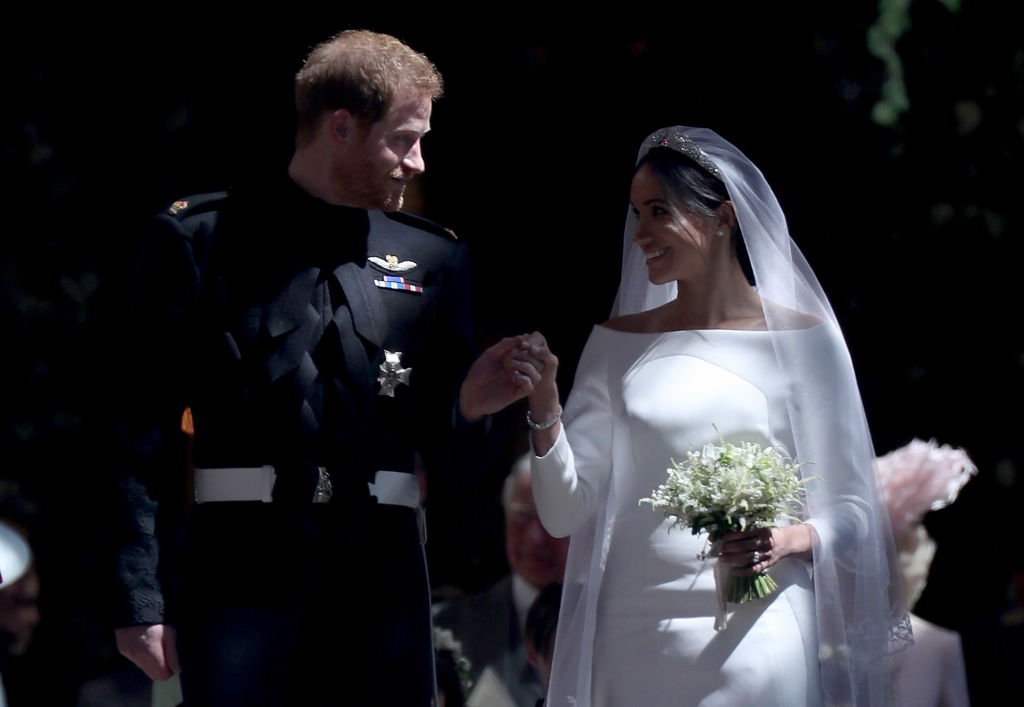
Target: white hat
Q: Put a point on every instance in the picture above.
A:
(15, 555)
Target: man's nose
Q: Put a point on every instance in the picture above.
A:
(413, 162)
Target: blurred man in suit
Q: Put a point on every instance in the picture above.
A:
(490, 625)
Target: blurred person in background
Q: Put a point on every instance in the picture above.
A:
(19, 595)
(490, 624)
(917, 478)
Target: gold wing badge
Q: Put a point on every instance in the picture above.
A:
(391, 263)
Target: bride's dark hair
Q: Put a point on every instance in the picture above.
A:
(691, 188)
(688, 186)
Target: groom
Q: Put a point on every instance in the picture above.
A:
(320, 338)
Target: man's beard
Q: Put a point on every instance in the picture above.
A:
(393, 201)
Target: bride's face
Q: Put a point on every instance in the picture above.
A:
(676, 244)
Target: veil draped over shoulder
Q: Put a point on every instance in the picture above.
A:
(861, 612)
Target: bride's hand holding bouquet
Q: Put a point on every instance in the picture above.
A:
(737, 494)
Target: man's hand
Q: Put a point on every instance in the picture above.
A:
(151, 648)
(491, 384)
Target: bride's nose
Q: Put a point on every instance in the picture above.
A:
(640, 234)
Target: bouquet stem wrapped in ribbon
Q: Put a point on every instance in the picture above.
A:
(727, 488)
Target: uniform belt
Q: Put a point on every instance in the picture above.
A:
(256, 483)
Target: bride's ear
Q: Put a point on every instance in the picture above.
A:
(726, 217)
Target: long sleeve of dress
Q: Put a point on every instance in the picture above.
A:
(567, 480)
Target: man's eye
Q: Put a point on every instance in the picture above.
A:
(406, 142)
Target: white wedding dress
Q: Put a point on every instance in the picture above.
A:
(639, 400)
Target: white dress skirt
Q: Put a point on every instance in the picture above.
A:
(640, 400)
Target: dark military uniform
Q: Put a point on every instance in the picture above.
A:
(280, 320)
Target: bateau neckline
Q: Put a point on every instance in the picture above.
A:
(701, 331)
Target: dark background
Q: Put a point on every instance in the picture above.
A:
(909, 213)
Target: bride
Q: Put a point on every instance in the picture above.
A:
(695, 351)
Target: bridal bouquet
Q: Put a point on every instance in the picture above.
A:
(725, 488)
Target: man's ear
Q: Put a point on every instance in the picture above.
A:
(340, 124)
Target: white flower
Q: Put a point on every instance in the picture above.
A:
(726, 487)
(444, 640)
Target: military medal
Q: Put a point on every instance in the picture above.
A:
(392, 373)
(397, 282)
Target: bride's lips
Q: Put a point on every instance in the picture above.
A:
(654, 254)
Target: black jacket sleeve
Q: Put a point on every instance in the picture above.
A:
(151, 363)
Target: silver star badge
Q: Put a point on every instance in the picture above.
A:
(392, 373)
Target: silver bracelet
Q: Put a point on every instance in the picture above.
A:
(534, 425)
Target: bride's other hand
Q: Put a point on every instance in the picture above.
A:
(756, 550)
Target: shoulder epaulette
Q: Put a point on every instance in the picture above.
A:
(196, 204)
(421, 223)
